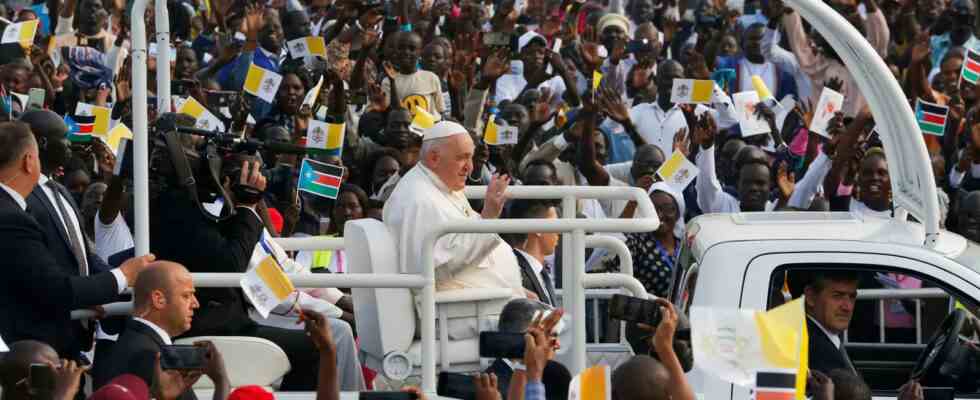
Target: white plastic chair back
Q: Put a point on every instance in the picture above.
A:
(250, 360)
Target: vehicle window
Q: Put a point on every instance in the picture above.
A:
(685, 278)
(886, 318)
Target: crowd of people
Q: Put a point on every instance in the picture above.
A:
(430, 96)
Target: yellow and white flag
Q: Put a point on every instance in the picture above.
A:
(262, 83)
(678, 171)
(734, 345)
(307, 46)
(101, 114)
(325, 136)
(692, 91)
(422, 121)
(21, 32)
(115, 136)
(204, 119)
(266, 286)
(592, 384)
(760, 87)
(596, 79)
(499, 134)
(310, 99)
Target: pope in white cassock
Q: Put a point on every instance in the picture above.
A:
(431, 193)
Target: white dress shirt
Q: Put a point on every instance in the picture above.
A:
(56, 197)
(658, 126)
(162, 333)
(537, 267)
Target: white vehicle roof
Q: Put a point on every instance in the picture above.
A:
(709, 230)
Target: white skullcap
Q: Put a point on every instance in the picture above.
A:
(444, 129)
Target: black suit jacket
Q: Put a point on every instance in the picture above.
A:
(180, 233)
(36, 293)
(134, 353)
(824, 356)
(47, 217)
(530, 280)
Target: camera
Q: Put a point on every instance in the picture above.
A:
(199, 162)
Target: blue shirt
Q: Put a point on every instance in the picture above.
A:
(534, 391)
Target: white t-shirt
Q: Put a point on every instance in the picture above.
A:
(511, 85)
(112, 238)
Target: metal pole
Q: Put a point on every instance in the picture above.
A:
(578, 301)
(568, 211)
(428, 317)
(163, 56)
(141, 145)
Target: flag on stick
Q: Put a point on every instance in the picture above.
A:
(931, 117)
(320, 179)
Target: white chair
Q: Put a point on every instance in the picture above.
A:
(386, 318)
(249, 361)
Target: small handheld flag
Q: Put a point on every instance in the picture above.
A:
(422, 121)
(80, 128)
(310, 99)
(596, 79)
(691, 91)
(204, 119)
(592, 384)
(266, 286)
(21, 32)
(971, 67)
(760, 87)
(325, 136)
(262, 83)
(748, 120)
(320, 179)
(499, 134)
(124, 158)
(678, 171)
(829, 104)
(116, 135)
(776, 384)
(931, 117)
(307, 46)
(100, 125)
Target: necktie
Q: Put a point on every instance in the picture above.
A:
(73, 239)
(847, 358)
(548, 286)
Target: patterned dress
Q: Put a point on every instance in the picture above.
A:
(653, 266)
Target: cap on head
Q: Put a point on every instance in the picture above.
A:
(619, 20)
(123, 387)
(444, 129)
(251, 392)
(527, 38)
(45, 123)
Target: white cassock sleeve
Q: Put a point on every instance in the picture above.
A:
(453, 252)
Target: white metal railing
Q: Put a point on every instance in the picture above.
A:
(573, 249)
(573, 261)
(882, 296)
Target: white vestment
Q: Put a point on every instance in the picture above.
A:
(421, 201)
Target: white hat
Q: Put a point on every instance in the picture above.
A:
(527, 38)
(444, 129)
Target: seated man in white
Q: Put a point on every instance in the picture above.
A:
(432, 193)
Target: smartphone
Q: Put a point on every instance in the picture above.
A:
(186, 357)
(35, 99)
(639, 46)
(634, 309)
(460, 386)
(501, 345)
(42, 378)
(387, 396)
(938, 393)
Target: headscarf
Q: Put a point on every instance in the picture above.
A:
(88, 68)
(678, 198)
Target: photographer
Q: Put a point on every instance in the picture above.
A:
(182, 233)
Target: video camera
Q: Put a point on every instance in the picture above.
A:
(197, 162)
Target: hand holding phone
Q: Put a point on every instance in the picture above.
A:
(460, 386)
(634, 309)
(183, 357)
